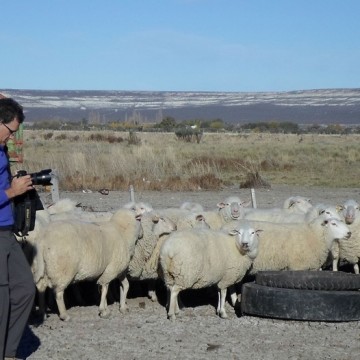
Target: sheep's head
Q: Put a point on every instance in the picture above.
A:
(298, 204)
(350, 210)
(231, 208)
(162, 225)
(337, 228)
(139, 208)
(247, 239)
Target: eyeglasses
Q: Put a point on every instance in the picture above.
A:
(11, 131)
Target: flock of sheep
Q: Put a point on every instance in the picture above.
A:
(186, 247)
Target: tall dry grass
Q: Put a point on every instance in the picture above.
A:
(156, 161)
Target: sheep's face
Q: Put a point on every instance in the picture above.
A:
(299, 204)
(329, 212)
(337, 229)
(230, 210)
(351, 210)
(162, 225)
(200, 222)
(247, 240)
(139, 208)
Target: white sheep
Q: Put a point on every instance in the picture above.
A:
(297, 246)
(297, 204)
(288, 215)
(71, 251)
(144, 264)
(230, 209)
(349, 250)
(201, 258)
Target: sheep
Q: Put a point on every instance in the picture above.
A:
(278, 215)
(296, 246)
(70, 251)
(154, 228)
(293, 210)
(349, 250)
(144, 264)
(297, 204)
(229, 209)
(199, 258)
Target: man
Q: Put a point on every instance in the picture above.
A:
(17, 289)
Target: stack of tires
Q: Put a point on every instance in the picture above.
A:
(303, 295)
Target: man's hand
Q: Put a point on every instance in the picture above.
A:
(19, 185)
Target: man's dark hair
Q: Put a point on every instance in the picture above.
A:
(10, 109)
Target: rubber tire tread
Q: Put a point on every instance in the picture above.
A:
(294, 304)
(311, 280)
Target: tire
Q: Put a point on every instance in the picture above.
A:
(311, 280)
(294, 304)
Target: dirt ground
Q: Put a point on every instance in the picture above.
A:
(145, 333)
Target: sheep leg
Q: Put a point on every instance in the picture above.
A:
(42, 304)
(124, 289)
(356, 268)
(103, 311)
(173, 304)
(335, 264)
(233, 295)
(221, 304)
(61, 305)
(152, 290)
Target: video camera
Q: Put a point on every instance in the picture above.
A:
(42, 177)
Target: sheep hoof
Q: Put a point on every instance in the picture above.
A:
(153, 298)
(172, 317)
(104, 314)
(223, 314)
(65, 317)
(124, 310)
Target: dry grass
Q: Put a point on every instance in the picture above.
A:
(157, 161)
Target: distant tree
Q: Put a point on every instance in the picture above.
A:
(167, 123)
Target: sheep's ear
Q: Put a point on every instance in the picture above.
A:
(291, 203)
(258, 231)
(155, 219)
(200, 217)
(233, 232)
(220, 205)
(339, 207)
(246, 203)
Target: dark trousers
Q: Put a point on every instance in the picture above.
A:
(17, 292)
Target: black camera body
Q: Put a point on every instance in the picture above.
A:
(42, 177)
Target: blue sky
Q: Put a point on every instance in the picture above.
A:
(180, 45)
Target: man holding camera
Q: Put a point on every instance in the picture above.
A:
(17, 289)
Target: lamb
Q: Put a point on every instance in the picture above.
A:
(70, 251)
(297, 246)
(349, 250)
(201, 258)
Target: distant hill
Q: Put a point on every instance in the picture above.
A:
(328, 106)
